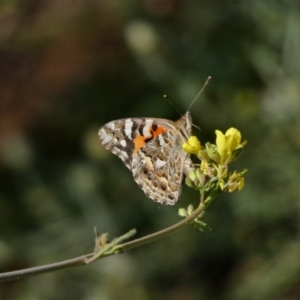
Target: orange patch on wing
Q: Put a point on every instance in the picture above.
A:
(139, 142)
(159, 130)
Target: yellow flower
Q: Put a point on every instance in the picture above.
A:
(192, 145)
(222, 184)
(237, 181)
(227, 143)
(204, 167)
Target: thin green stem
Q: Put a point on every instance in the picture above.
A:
(157, 235)
(108, 250)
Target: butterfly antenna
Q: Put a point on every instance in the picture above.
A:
(205, 84)
(196, 127)
(168, 99)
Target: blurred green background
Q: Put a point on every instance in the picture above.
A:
(68, 67)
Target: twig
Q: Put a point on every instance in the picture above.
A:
(108, 250)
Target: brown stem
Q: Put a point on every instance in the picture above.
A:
(85, 259)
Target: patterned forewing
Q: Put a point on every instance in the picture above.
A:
(111, 135)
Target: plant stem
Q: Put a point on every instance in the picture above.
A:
(115, 249)
(157, 235)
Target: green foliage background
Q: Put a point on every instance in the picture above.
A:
(68, 67)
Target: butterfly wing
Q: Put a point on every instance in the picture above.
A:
(151, 149)
(158, 168)
(115, 137)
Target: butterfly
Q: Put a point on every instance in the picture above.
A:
(151, 150)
